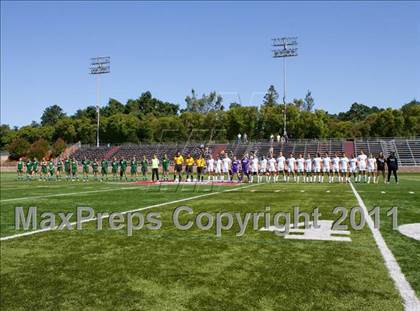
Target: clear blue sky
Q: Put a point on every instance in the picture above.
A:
(367, 52)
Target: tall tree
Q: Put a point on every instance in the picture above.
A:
(51, 115)
(309, 102)
(207, 103)
(271, 97)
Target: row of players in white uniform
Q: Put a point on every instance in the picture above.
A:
(339, 167)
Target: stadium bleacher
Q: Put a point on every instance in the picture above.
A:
(406, 150)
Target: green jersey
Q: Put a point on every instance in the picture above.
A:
(35, 166)
(114, 165)
(165, 164)
(104, 165)
(123, 165)
(28, 166)
(59, 166)
(44, 168)
(85, 164)
(74, 166)
(51, 166)
(20, 166)
(67, 165)
(95, 166)
(144, 165)
(133, 166)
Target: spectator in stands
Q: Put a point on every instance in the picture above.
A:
(392, 164)
(380, 162)
(271, 138)
(238, 141)
(155, 168)
(278, 138)
(245, 138)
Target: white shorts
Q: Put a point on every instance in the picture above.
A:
(317, 169)
(254, 170)
(210, 169)
(343, 170)
(353, 169)
(263, 170)
(371, 170)
(308, 171)
(225, 170)
(325, 169)
(336, 169)
(281, 168)
(218, 170)
(290, 170)
(273, 170)
(362, 168)
(300, 169)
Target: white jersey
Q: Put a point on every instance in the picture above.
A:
(353, 164)
(308, 163)
(326, 164)
(291, 163)
(300, 164)
(226, 164)
(210, 165)
(317, 164)
(263, 165)
(280, 162)
(371, 164)
(362, 161)
(254, 165)
(336, 163)
(272, 164)
(344, 163)
(219, 166)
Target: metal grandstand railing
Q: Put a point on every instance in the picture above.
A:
(406, 150)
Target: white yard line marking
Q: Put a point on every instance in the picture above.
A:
(302, 190)
(10, 237)
(411, 302)
(328, 191)
(383, 192)
(277, 190)
(66, 194)
(411, 192)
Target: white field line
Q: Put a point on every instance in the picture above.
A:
(10, 237)
(66, 194)
(411, 302)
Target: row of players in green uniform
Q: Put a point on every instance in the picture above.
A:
(68, 168)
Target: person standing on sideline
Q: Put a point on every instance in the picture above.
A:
(245, 138)
(165, 167)
(239, 138)
(392, 164)
(155, 168)
(380, 162)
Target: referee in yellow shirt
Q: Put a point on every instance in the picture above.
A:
(189, 161)
(201, 162)
(179, 160)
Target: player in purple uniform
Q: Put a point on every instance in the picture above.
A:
(235, 169)
(245, 167)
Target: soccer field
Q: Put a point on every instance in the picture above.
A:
(197, 269)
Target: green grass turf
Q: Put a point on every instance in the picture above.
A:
(405, 196)
(170, 269)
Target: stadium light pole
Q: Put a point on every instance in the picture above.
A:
(284, 47)
(99, 66)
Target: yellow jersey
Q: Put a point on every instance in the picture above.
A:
(179, 160)
(201, 162)
(189, 161)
